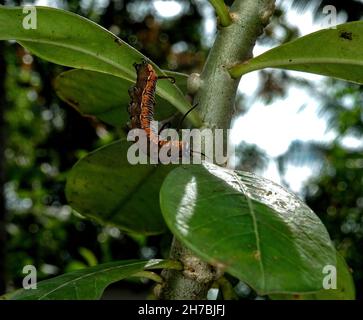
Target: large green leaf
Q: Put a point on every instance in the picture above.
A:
(345, 287)
(68, 39)
(335, 53)
(89, 283)
(254, 229)
(105, 187)
(106, 96)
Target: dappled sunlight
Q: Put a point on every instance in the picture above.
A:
(151, 263)
(225, 175)
(186, 207)
(271, 194)
(168, 9)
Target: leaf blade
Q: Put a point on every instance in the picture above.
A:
(206, 208)
(105, 187)
(86, 284)
(345, 287)
(105, 96)
(331, 52)
(68, 39)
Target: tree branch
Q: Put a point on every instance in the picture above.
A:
(233, 45)
(192, 283)
(216, 92)
(222, 12)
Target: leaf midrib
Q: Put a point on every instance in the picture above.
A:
(256, 65)
(88, 275)
(162, 92)
(79, 49)
(255, 227)
(159, 90)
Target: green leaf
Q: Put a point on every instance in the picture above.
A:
(68, 39)
(89, 283)
(249, 226)
(335, 53)
(105, 187)
(345, 287)
(105, 96)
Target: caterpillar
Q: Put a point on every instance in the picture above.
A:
(141, 107)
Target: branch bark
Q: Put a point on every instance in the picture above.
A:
(215, 98)
(233, 45)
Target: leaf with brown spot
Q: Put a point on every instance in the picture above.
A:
(334, 53)
(247, 225)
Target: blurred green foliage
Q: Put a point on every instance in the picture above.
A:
(336, 194)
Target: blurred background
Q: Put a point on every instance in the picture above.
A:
(300, 130)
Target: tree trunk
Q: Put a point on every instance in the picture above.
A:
(216, 97)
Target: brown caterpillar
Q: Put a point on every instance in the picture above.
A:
(141, 107)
